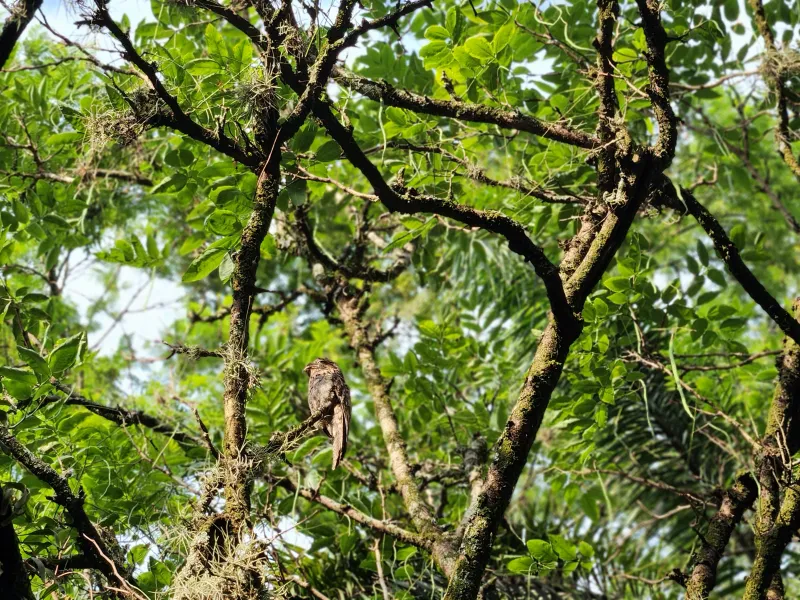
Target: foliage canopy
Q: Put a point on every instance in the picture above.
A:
(551, 245)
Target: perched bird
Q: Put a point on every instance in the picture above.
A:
(326, 387)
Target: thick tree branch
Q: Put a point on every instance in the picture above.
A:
(13, 575)
(21, 15)
(729, 254)
(771, 545)
(607, 14)
(381, 91)
(738, 499)
(350, 310)
(656, 37)
(512, 449)
(777, 521)
(408, 201)
(237, 377)
(782, 433)
(178, 119)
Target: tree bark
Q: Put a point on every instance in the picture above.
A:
(21, 15)
(442, 547)
(13, 576)
(512, 449)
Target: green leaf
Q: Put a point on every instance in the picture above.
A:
(521, 565)
(563, 548)
(601, 416)
(702, 253)
(202, 66)
(618, 298)
(405, 553)
(437, 55)
(433, 49)
(738, 236)
(691, 263)
(269, 247)
(347, 542)
(35, 362)
(303, 139)
(67, 137)
(600, 307)
(617, 284)
(569, 567)
(717, 277)
(173, 183)
(677, 377)
(560, 102)
(328, 152)
(540, 549)
(437, 32)
(20, 375)
(503, 36)
(204, 264)
(65, 355)
(182, 157)
(216, 44)
(397, 115)
(226, 268)
(297, 191)
(479, 48)
(222, 222)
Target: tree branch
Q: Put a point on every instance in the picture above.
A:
(403, 535)
(738, 499)
(512, 448)
(350, 309)
(771, 546)
(89, 539)
(607, 14)
(381, 91)
(390, 20)
(265, 311)
(178, 119)
(21, 15)
(121, 416)
(13, 576)
(408, 201)
(729, 254)
(656, 37)
(776, 80)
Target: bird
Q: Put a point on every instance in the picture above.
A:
(326, 386)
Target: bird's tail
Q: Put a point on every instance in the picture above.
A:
(340, 428)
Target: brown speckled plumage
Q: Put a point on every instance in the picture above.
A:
(326, 385)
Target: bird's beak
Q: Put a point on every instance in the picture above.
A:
(307, 369)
